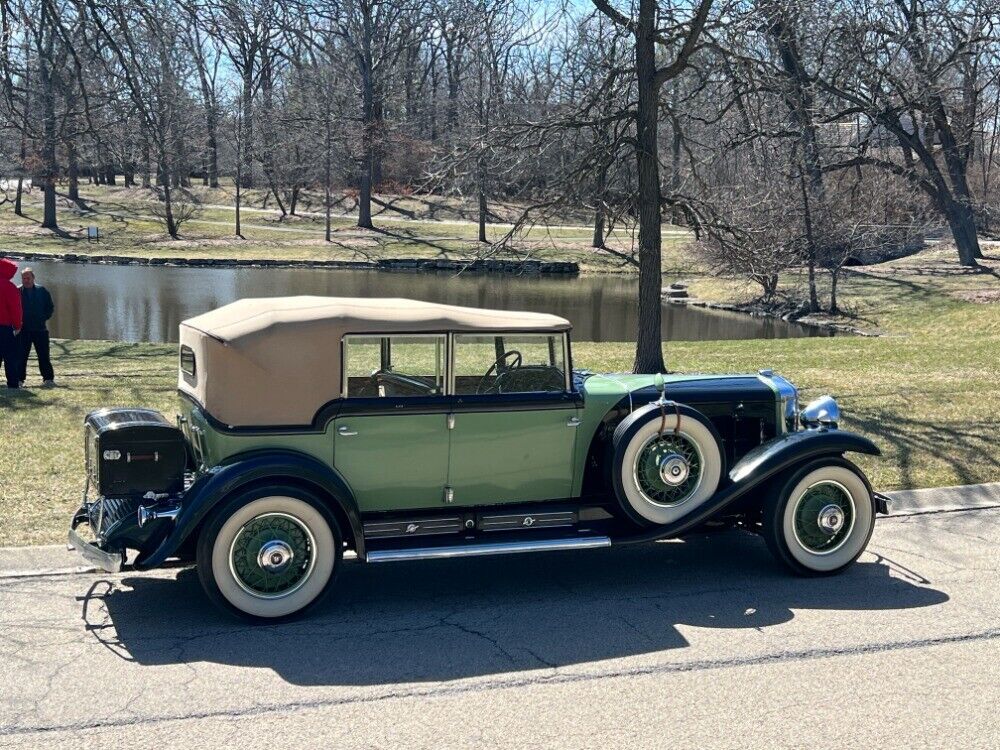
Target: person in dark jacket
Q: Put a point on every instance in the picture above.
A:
(36, 302)
(10, 324)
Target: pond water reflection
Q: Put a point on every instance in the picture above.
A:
(146, 303)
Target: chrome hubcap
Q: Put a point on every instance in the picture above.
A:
(674, 469)
(831, 519)
(275, 556)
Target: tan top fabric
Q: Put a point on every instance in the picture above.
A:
(276, 361)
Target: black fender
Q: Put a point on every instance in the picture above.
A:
(757, 467)
(245, 469)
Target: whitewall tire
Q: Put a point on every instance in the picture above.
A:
(820, 518)
(269, 554)
(660, 477)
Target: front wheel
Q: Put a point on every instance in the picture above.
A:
(269, 553)
(820, 518)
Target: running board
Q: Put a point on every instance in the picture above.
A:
(490, 548)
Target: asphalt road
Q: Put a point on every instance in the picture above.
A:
(702, 643)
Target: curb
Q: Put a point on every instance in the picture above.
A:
(56, 560)
(942, 499)
(47, 560)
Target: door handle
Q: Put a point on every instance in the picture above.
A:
(346, 431)
(573, 422)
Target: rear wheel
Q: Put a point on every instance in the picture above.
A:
(269, 553)
(820, 518)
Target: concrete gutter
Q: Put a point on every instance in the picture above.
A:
(56, 560)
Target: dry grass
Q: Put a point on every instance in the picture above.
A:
(407, 227)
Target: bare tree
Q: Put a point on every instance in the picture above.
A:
(652, 26)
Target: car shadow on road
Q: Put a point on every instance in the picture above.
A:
(446, 620)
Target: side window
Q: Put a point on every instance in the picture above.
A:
(394, 366)
(509, 363)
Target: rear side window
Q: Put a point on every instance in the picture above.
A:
(394, 366)
(188, 364)
(509, 363)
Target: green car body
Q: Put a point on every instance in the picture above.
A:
(459, 433)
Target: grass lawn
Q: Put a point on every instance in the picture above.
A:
(407, 227)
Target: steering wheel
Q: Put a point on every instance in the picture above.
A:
(514, 355)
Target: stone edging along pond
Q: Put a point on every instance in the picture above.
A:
(489, 265)
(756, 311)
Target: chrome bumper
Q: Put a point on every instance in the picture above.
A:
(109, 561)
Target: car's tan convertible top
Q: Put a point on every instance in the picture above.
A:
(276, 361)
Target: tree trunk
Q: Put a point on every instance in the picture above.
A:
(246, 152)
(145, 163)
(327, 172)
(676, 214)
(49, 165)
(810, 247)
(962, 223)
(834, 277)
(73, 173)
(649, 349)
(368, 145)
(17, 196)
(168, 210)
(239, 183)
(598, 226)
(600, 193)
(483, 208)
(212, 146)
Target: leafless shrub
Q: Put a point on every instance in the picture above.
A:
(181, 211)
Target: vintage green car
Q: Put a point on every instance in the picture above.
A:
(389, 429)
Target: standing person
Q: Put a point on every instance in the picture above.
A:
(10, 324)
(36, 302)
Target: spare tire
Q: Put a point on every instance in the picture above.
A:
(661, 476)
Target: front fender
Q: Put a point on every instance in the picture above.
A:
(758, 466)
(243, 470)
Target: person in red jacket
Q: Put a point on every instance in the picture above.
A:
(10, 323)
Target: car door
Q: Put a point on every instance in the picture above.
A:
(514, 423)
(391, 435)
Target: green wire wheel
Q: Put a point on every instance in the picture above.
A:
(272, 555)
(823, 517)
(668, 468)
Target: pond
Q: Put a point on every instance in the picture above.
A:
(146, 303)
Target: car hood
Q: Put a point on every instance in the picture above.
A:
(621, 384)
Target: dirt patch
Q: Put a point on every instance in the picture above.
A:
(980, 296)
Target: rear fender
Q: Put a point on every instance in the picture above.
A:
(757, 467)
(247, 469)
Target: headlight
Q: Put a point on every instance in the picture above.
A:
(823, 412)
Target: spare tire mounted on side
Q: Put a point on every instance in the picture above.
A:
(666, 461)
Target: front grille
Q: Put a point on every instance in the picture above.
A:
(115, 509)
